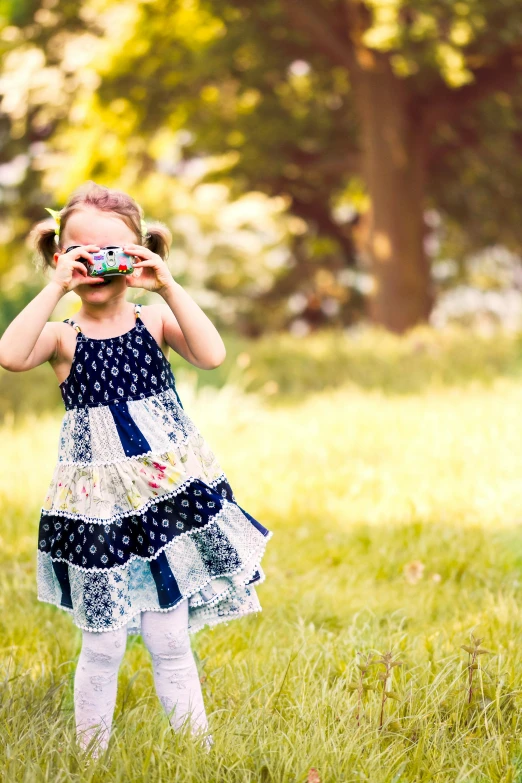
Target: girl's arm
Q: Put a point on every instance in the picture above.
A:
(190, 332)
(186, 328)
(30, 340)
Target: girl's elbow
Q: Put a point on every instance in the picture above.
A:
(6, 363)
(10, 366)
(13, 363)
(216, 361)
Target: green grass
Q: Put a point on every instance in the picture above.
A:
(360, 482)
(283, 369)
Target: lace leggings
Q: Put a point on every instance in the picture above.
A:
(176, 678)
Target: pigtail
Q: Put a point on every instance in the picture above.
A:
(155, 235)
(43, 238)
(158, 239)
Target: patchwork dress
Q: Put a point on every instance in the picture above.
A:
(139, 515)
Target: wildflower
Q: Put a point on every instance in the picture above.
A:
(413, 572)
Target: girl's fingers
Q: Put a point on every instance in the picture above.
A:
(82, 253)
(79, 266)
(137, 250)
(83, 271)
(140, 252)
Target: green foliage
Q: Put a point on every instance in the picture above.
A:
(264, 90)
(263, 93)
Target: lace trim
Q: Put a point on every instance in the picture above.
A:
(187, 533)
(103, 435)
(203, 611)
(137, 457)
(135, 512)
(227, 590)
(193, 628)
(211, 622)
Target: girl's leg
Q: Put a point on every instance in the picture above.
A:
(95, 684)
(175, 672)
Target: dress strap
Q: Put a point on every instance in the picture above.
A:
(73, 324)
(137, 311)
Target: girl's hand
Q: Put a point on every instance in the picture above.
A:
(154, 274)
(70, 272)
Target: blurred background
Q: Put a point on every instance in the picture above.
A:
(319, 162)
(324, 165)
(342, 180)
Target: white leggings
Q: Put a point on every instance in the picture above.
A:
(176, 678)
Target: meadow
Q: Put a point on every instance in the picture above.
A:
(390, 471)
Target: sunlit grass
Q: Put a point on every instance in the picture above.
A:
(357, 486)
(283, 368)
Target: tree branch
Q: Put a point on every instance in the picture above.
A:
(466, 138)
(326, 39)
(349, 162)
(444, 103)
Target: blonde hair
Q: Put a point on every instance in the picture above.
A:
(157, 237)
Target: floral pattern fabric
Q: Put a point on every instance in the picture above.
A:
(139, 514)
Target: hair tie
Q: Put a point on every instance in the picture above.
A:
(56, 216)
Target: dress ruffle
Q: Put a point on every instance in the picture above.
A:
(99, 546)
(215, 567)
(146, 532)
(107, 492)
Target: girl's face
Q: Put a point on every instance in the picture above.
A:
(89, 226)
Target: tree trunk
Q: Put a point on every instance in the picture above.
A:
(394, 171)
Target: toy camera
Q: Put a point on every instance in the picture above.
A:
(110, 261)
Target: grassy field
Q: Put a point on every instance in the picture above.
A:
(396, 506)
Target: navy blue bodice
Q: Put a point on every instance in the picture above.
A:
(130, 366)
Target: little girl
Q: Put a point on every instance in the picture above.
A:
(140, 532)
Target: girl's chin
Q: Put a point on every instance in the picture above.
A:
(111, 285)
